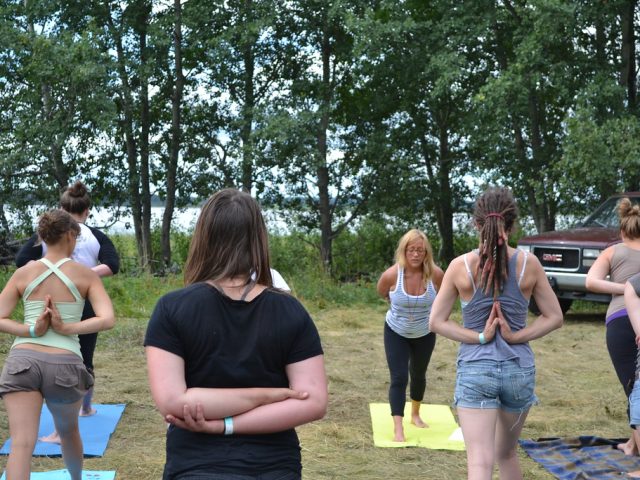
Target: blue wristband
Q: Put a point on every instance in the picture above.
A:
(32, 331)
(481, 338)
(228, 426)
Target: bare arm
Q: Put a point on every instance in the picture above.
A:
(441, 310)
(171, 395)
(632, 303)
(596, 278)
(8, 300)
(550, 317)
(437, 277)
(103, 270)
(387, 281)
(307, 375)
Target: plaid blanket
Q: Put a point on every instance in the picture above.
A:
(581, 458)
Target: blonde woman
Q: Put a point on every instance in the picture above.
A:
(410, 287)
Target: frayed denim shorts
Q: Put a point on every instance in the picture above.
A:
(495, 384)
(634, 404)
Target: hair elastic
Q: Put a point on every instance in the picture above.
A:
(494, 214)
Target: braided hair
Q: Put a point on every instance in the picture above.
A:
(494, 214)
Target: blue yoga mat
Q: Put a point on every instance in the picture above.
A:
(95, 431)
(64, 475)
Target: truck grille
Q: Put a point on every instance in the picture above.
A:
(558, 258)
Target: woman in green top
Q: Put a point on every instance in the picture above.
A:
(45, 361)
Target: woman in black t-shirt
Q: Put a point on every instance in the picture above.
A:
(234, 364)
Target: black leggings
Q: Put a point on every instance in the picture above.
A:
(88, 340)
(407, 356)
(621, 343)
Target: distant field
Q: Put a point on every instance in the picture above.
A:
(578, 390)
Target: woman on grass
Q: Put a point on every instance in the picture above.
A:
(94, 250)
(410, 287)
(234, 365)
(45, 362)
(496, 371)
(609, 273)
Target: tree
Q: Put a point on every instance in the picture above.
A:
(420, 61)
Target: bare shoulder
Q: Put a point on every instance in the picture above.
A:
(458, 263)
(390, 273)
(387, 280)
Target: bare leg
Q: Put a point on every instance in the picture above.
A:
(478, 428)
(636, 437)
(507, 433)
(65, 418)
(23, 410)
(415, 415)
(87, 410)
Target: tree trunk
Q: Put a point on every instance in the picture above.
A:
(628, 53)
(172, 164)
(145, 127)
(127, 125)
(322, 169)
(544, 219)
(444, 210)
(246, 133)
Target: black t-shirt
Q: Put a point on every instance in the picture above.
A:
(229, 343)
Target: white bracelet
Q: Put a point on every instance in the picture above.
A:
(228, 426)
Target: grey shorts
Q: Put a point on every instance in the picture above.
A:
(61, 378)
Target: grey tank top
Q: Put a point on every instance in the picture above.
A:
(514, 308)
(625, 263)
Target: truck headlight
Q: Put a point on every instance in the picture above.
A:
(525, 248)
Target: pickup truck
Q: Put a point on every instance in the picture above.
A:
(567, 255)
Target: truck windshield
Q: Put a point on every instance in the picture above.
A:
(606, 216)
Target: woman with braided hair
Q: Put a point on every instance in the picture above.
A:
(608, 274)
(496, 370)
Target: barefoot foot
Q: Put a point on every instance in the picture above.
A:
(398, 437)
(635, 474)
(417, 421)
(51, 438)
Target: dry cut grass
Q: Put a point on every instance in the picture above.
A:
(578, 390)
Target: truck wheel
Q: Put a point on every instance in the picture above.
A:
(565, 305)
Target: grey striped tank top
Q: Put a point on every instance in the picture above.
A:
(408, 315)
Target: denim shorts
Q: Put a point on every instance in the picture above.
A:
(495, 384)
(634, 405)
(274, 475)
(61, 378)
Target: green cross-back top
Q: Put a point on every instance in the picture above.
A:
(70, 312)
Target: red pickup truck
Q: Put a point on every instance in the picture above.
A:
(567, 255)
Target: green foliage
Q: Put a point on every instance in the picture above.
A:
(135, 296)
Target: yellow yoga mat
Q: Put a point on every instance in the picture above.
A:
(443, 432)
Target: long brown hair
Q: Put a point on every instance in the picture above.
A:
(230, 240)
(495, 214)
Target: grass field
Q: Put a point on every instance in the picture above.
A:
(578, 390)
